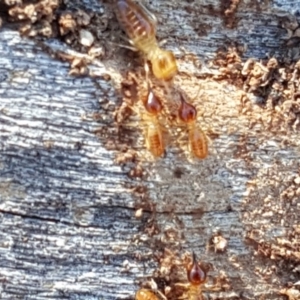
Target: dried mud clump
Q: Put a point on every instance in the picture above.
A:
(36, 17)
(69, 22)
(79, 29)
(87, 36)
(270, 84)
(272, 224)
(229, 66)
(218, 243)
(50, 18)
(230, 13)
(258, 75)
(276, 88)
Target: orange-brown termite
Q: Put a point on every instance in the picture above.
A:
(196, 277)
(153, 131)
(198, 142)
(140, 27)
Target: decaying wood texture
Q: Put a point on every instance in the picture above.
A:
(68, 225)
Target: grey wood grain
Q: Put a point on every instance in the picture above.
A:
(68, 225)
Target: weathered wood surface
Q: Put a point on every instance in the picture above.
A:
(68, 226)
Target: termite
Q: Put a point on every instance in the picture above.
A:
(144, 294)
(196, 277)
(198, 142)
(153, 134)
(140, 27)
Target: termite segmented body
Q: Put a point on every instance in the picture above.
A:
(197, 139)
(140, 27)
(196, 277)
(153, 135)
(144, 294)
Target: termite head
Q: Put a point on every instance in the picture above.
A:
(195, 274)
(187, 112)
(164, 65)
(152, 103)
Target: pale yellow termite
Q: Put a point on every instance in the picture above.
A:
(140, 27)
